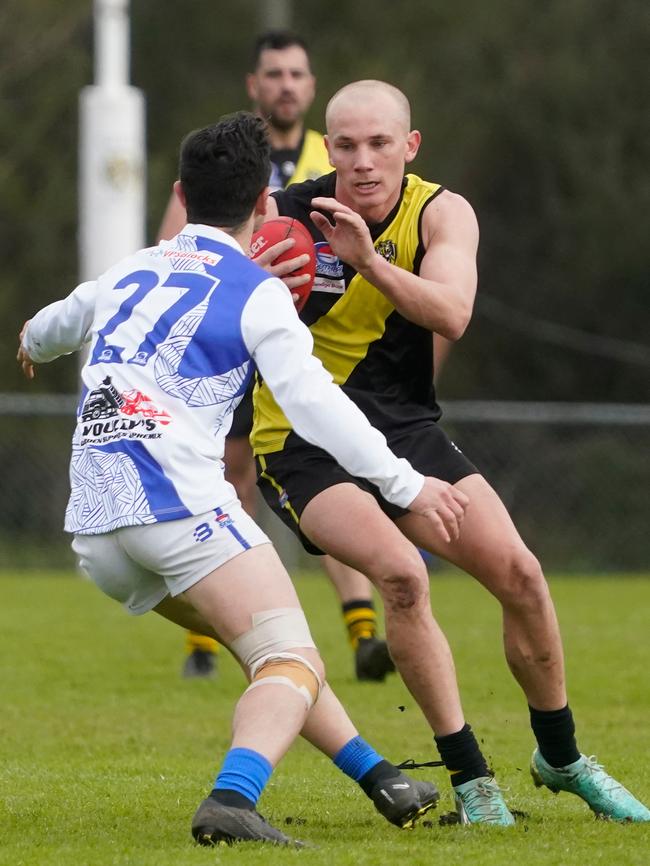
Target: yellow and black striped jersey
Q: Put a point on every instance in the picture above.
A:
(294, 165)
(383, 362)
(313, 160)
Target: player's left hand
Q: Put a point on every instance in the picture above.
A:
(349, 238)
(22, 357)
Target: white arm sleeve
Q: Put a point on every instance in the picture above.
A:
(62, 327)
(318, 409)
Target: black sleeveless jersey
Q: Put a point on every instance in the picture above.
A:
(383, 362)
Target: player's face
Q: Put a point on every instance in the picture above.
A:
(282, 86)
(369, 146)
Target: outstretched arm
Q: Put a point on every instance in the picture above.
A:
(58, 329)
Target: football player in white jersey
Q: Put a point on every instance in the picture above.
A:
(174, 331)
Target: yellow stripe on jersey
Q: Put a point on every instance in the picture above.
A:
(313, 160)
(274, 484)
(343, 336)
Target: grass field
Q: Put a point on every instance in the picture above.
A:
(106, 752)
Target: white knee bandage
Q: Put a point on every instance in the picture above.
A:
(273, 631)
(263, 649)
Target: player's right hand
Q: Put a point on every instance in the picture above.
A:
(282, 269)
(22, 357)
(443, 505)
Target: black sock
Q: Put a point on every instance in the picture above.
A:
(379, 773)
(462, 756)
(231, 798)
(555, 734)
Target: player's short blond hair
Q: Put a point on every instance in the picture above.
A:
(361, 90)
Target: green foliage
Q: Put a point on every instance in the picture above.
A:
(106, 751)
(536, 114)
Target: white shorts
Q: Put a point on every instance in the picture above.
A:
(140, 565)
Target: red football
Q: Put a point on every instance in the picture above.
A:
(279, 229)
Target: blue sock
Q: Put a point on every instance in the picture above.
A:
(356, 758)
(244, 771)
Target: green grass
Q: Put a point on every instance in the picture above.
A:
(105, 752)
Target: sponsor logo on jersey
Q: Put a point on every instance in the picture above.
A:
(327, 262)
(329, 270)
(107, 414)
(201, 257)
(223, 520)
(387, 250)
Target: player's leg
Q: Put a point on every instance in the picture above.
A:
(250, 602)
(397, 797)
(490, 548)
(179, 611)
(294, 476)
(248, 583)
(400, 799)
(348, 523)
(372, 660)
(223, 565)
(330, 513)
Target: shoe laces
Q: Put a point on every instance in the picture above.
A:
(592, 768)
(484, 799)
(592, 764)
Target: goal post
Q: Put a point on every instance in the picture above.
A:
(112, 157)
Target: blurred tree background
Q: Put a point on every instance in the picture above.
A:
(537, 114)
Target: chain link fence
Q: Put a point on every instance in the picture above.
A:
(575, 478)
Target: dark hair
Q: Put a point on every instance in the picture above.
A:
(277, 40)
(223, 168)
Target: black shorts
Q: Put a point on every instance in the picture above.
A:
(242, 419)
(290, 478)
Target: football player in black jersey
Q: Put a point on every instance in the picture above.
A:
(396, 262)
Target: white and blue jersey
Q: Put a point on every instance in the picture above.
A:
(174, 331)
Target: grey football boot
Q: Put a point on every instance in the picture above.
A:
(217, 824)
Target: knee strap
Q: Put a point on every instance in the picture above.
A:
(290, 670)
(274, 631)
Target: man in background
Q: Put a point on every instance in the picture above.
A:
(281, 88)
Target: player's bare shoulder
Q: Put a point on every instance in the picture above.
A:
(449, 214)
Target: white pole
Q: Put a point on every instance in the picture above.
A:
(111, 149)
(111, 43)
